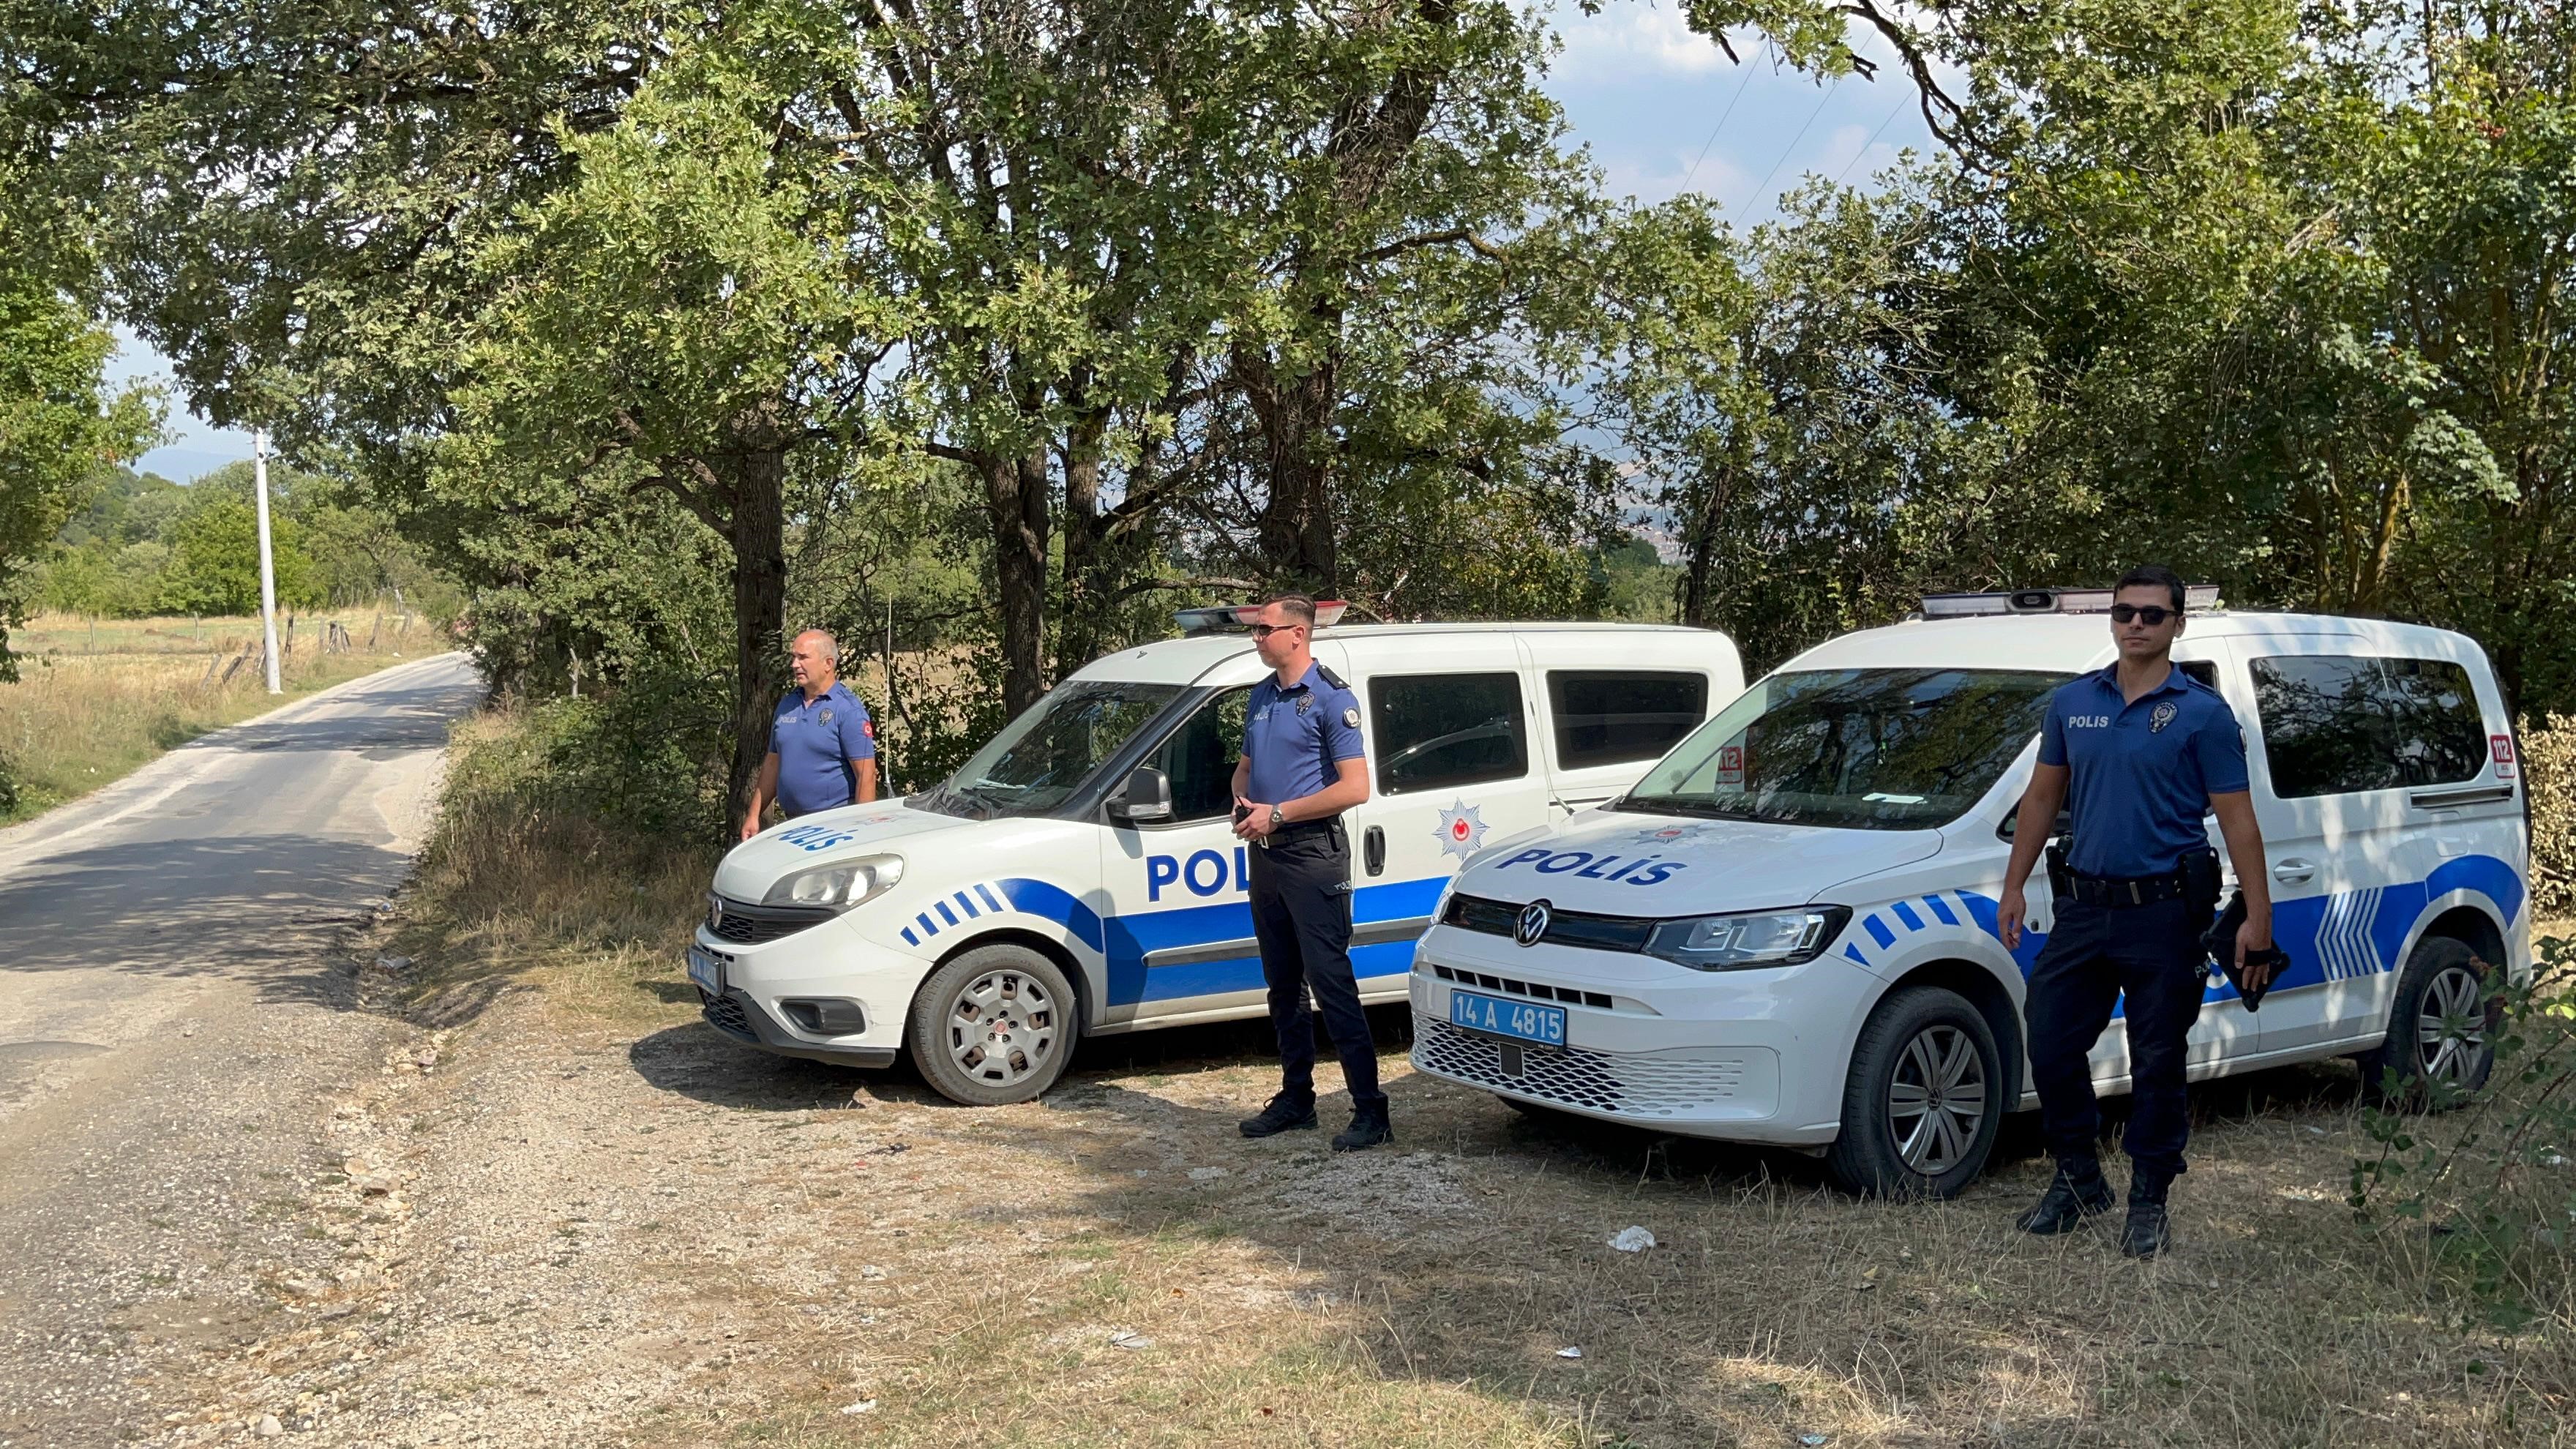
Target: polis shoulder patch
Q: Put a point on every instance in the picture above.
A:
(1351, 717)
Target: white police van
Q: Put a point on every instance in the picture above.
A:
(1786, 932)
(1080, 875)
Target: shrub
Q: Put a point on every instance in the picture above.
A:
(2549, 775)
(2493, 1182)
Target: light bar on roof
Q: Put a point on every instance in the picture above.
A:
(1239, 618)
(2197, 598)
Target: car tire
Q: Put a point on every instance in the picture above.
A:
(2441, 1025)
(994, 1026)
(1924, 1099)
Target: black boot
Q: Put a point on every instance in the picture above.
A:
(2077, 1192)
(1284, 1114)
(1369, 1127)
(2148, 1232)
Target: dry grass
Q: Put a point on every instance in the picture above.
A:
(87, 710)
(1420, 1295)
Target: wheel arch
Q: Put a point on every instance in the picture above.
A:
(2471, 926)
(1993, 1001)
(1085, 988)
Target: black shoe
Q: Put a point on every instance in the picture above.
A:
(1284, 1114)
(1369, 1128)
(2148, 1232)
(2077, 1192)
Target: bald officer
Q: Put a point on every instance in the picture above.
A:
(2144, 749)
(822, 746)
(1303, 765)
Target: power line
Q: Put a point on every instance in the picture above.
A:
(1720, 126)
(1872, 141)
(1793, 142)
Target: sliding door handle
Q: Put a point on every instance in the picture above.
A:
(1373, 849)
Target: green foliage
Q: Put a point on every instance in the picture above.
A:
(2493, 1180)
(214, 559)
(57, 422)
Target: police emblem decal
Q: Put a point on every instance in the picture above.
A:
(1305, 702)
(1351, 717)
(1462, 830)
(827, 717)
(2163, 716)
(1532, 923)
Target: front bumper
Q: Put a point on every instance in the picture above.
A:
(1750, 1056)
(830, 961)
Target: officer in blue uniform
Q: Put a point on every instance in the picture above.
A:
(1303, 765)
(822, 746)
(2145, 750)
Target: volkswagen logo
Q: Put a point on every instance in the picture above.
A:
(715, 913)
(1532, 923)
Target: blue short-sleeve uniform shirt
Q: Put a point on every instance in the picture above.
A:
(2142, 770)
(1297, 737)
(815, 740)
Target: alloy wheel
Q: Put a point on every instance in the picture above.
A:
(1938, 1099)
(2451, 1026)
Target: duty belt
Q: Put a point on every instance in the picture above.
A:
(1300, 829)
(2145, 890)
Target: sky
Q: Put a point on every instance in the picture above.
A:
(1660, 109)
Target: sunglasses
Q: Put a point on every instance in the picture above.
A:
(1264, 631)
(2151, 615)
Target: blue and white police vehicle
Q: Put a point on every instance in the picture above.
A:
(1080, 876)
(1785, 933)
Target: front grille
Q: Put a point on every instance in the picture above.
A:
(1538, 990)
(1564, 928)
(1665, 1084)
(725, 1015)
(745, 924)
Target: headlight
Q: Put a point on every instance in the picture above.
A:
(838, 886)
(1757, 938)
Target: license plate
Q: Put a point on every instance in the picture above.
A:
(1542, 1024)
(707, 971)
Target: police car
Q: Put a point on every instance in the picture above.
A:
(1785, 933)
(1080, 875)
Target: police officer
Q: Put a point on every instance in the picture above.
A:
(822, 745)
(2144, 748)
(1303, 765)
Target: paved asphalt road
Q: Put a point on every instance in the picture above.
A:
(171, 1024)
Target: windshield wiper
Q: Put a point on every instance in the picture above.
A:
(1680, 805)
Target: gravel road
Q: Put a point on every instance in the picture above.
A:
(174, 1030)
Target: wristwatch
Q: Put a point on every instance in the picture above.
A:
(1277, 819)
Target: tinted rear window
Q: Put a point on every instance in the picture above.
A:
(1606, 717)
(2334, 724)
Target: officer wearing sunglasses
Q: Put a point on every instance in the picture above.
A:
(2144, 750)
(1303, 764)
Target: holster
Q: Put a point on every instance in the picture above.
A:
(2061, 876)
(2200, 883)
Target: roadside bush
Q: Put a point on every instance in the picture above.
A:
(2549, 774)
(2491, 1183)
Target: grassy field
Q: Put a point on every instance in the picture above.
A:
(1428, 1294)
(96, 699)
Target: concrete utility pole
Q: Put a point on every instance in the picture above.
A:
(267, 563)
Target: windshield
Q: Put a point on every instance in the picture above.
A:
(1867, 749)
(1052, 749)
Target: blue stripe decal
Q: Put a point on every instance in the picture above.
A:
(966, 905)
(1878, 931)
(992, 902)
(927, 925)
(1941, 908)
(945, 914)
(1125, 940)
(909, 938)
(1905, 912)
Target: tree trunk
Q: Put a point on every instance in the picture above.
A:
(1015, 495)
(1086, 590)
(757, 512)
(1295, 532)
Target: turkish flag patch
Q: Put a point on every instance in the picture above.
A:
(868, 727)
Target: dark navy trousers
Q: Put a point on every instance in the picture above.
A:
(1301, 913)
(2096, 955)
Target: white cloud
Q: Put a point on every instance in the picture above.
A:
(1630, 37)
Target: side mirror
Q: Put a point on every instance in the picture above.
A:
(1146, 798)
